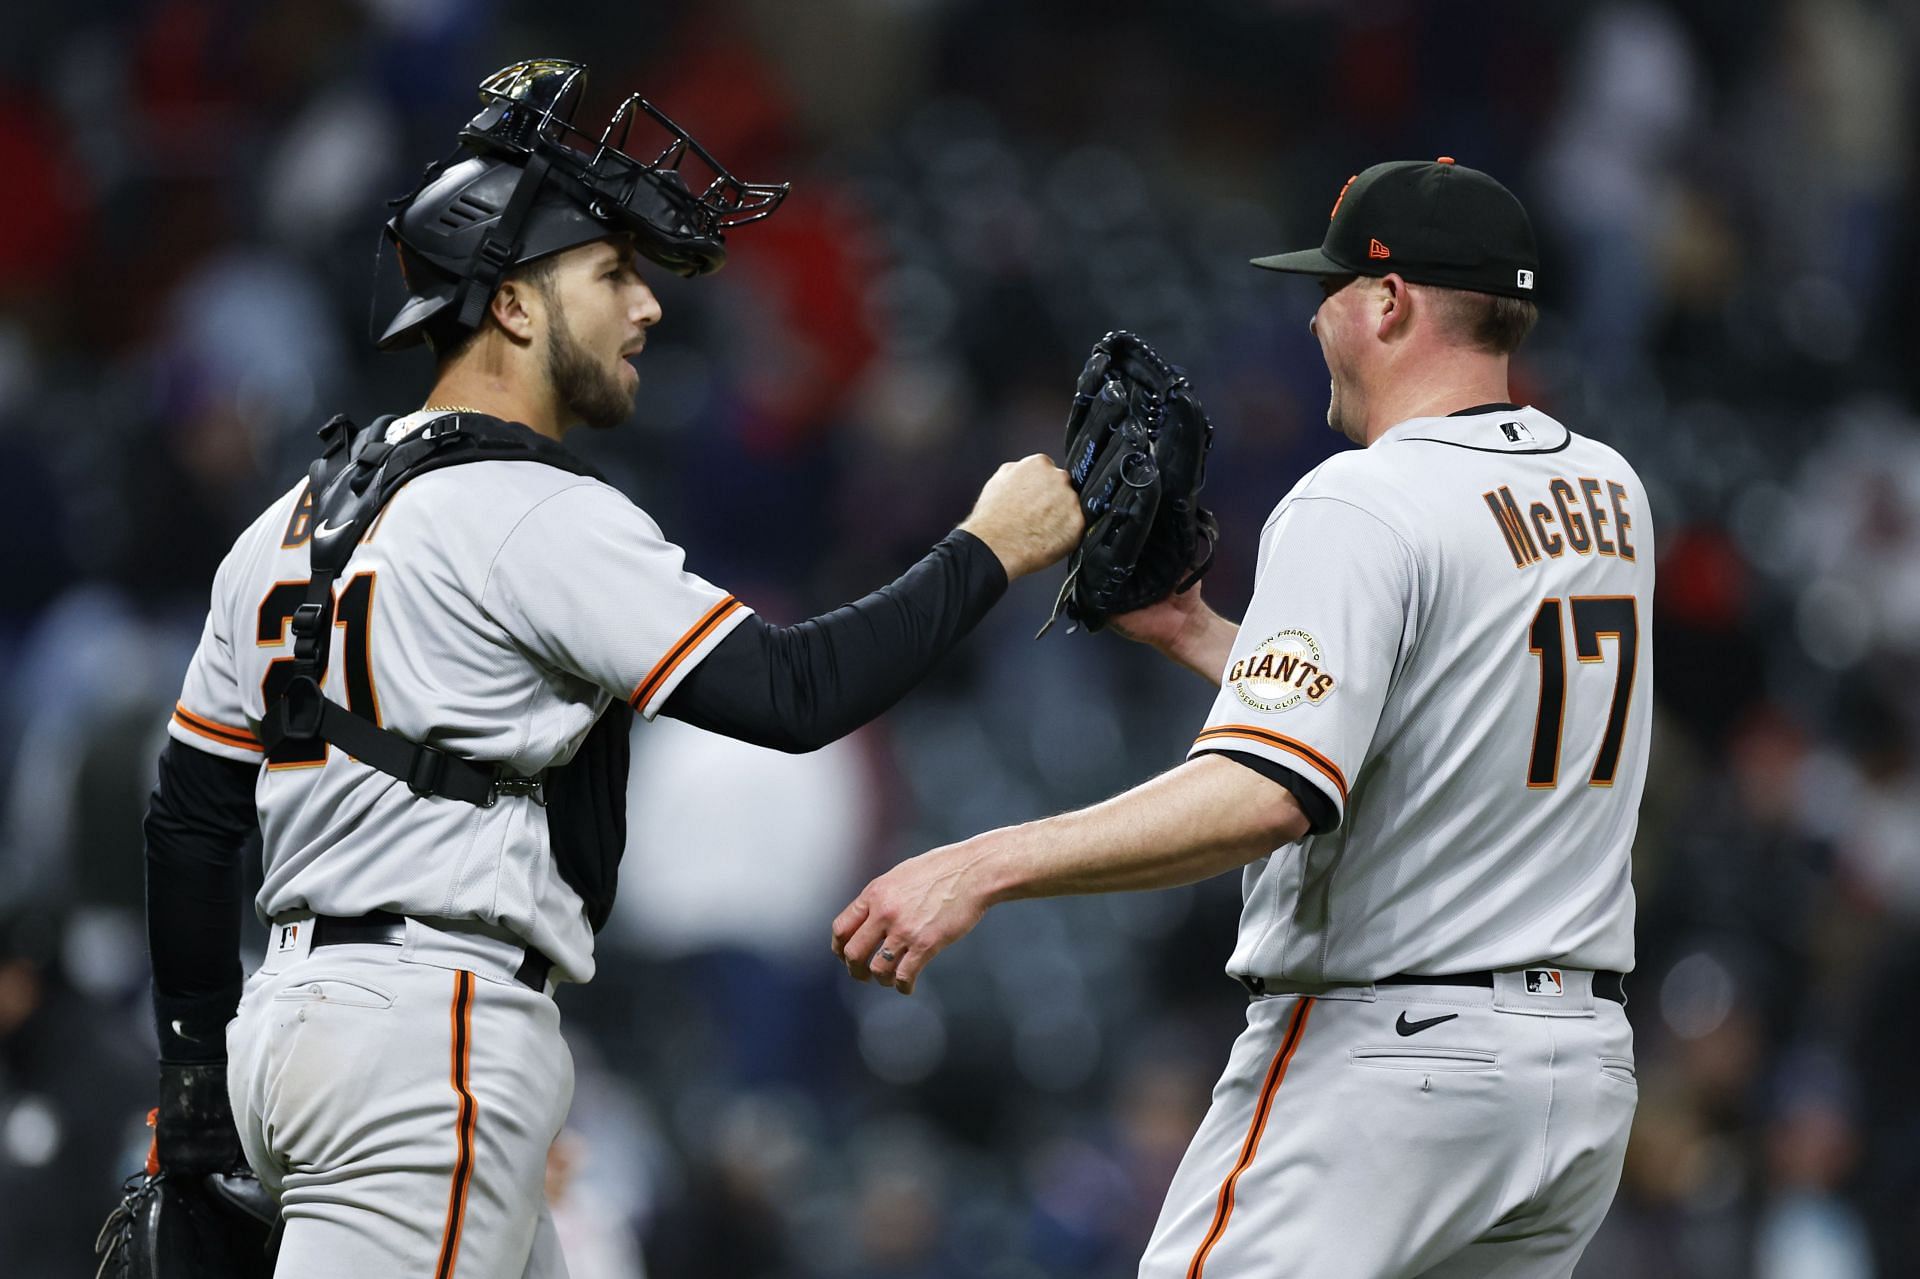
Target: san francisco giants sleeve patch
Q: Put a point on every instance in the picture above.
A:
(1281, 673)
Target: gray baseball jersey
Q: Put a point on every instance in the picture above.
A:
(1447, 638)
(492, 611)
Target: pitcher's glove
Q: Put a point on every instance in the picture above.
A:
(1137, 442)
(196, 1211)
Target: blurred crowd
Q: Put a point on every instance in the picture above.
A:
(1725, 193)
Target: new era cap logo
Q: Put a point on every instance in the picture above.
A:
(1375, 249)
(1523, 279)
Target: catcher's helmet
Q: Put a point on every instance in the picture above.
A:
(525, 183)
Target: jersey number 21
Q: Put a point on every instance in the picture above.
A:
(352, 613)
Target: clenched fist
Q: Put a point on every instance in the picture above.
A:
(1028, 515)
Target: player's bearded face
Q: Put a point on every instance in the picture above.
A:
(600, 310)
(587, 383)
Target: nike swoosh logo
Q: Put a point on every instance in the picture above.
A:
(181, 1031)
(1406, 1027)
(328, 530)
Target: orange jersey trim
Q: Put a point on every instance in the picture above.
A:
(666, 666)
(214, 731)
(1223, 1209)
(1279, 741)
(462, 1016)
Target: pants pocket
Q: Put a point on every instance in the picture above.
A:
(336, 990)
(1424, 1059)
(1620, 1070)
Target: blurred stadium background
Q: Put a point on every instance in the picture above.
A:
(1725, 191)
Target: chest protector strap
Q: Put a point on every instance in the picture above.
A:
(350, 484)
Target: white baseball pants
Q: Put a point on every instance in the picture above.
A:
(400, 1102)
(1382, 1132)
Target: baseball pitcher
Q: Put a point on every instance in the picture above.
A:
(1426, 756)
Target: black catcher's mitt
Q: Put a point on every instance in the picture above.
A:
(183, 1225)
(1137, 443)
(196, 1211)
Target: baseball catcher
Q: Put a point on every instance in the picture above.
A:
(416, 682)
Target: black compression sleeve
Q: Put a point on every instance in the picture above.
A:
(197, 821)
(1322, 816)
(796, 688)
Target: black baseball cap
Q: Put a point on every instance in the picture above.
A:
(1433, 221)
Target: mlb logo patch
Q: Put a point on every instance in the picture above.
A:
(1516, 432)
(1523, 279)
(1545, 981)
(289, 937)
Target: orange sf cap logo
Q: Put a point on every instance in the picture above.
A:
(1343, 195)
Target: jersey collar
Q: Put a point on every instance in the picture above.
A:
(1487, 428)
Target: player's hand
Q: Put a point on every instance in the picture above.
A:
(1183, 628)
(1028, 515)
(904, 918)
(1165, 624)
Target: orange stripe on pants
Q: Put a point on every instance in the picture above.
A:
(463, 1163)
(1275, 1073)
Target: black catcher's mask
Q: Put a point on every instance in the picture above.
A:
(526, 183)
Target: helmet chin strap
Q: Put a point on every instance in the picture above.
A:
(501, 248)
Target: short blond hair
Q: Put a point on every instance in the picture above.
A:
(1485, 320)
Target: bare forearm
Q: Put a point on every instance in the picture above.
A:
(1184, 630)
(1207, 816)
(1204, 645)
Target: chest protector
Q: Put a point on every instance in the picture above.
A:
(586, 799)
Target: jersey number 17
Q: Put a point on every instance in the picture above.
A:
(1595, 617)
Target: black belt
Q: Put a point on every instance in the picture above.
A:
(384, 928)
(1606, 985)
